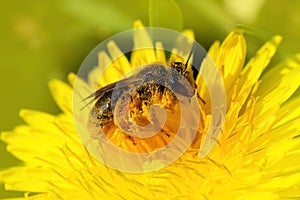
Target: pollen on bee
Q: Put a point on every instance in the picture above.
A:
(133, 109)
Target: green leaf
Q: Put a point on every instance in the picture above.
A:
(166, 14)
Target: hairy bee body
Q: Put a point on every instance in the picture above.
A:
(156, 84)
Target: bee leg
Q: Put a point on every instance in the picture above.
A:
(199, 97)
(166, 133)
(202, 100)
(131, 139)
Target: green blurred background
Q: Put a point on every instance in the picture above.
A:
(41, 40)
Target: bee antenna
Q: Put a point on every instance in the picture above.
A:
(190, 55)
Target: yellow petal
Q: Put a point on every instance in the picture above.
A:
(272, 77)
(82, 91)
(143, 49)
(109, 69)
(279, 84)
(184, 44)
(253, 70)
(119, 59)
(287, 164)
(231, 56)
(278, 183)
(26, 179)
(189, 33)
(107, 72)
(259, 62)
(213, 51)
(160, 53)
(62, 94)
(278, 150)
(289, 111)
(259, 195)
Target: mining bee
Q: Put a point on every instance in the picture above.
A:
(173, 78)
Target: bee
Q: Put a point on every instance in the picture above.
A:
(156, 84)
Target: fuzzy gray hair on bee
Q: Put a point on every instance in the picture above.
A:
(154, 82)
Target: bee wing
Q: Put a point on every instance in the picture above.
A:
(122, 84)
(100, 92)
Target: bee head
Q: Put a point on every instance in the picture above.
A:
(179, 67)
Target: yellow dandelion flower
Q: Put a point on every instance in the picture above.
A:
(256, 157)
